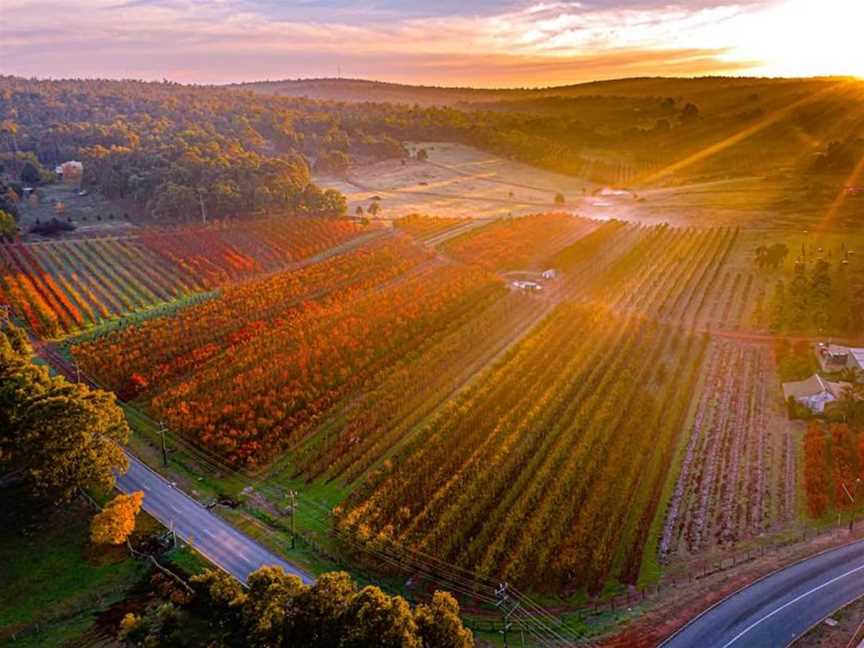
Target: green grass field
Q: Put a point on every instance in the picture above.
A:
(52, 576)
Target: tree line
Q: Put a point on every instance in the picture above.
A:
(823, 293)
(55, 436)
(179, 152)
(277, 610)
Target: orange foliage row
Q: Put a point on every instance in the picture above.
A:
(517, 243)
(576, 413)
(425, 226)
(221, 252)
(253, 369)
(163, 349)
(815, 470)
(24, 296)
(833, 459)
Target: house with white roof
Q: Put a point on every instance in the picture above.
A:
(814, 393)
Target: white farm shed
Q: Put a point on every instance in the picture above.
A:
(835, 357)
(815, 392)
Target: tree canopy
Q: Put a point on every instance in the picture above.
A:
(8, 226)
(116, 522)
(278, 610)
(135, 137)
(59, 436)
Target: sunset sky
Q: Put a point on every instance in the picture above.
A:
(481, 43)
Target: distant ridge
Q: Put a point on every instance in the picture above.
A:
(364, 90)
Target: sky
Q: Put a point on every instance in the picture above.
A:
(481, 43)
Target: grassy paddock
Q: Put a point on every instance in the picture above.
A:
(51, 574)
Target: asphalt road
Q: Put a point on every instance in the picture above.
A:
(218, 541)
(775, 611)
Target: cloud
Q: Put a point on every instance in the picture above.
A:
(491, 43)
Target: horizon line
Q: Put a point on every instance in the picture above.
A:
(426, 86)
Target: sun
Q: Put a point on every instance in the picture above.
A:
(803, 38)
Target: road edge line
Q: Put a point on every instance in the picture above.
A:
(311, 577)
(751, 584)
(822, 620)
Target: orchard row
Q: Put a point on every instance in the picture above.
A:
(68, 286)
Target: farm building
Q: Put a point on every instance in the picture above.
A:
(814, 393)
(527, 285)
(834, 357)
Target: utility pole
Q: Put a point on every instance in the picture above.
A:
(162, 439)
(292, 495)
(203, 209)
(851, 497)
(77, 372)
(507, 606)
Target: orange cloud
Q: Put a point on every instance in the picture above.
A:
(505, 69)
(241, 40)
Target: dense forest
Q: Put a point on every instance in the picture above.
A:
(176, 152)
(640, 130)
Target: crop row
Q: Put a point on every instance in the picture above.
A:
(67, 286)
(667, 273)
(538, 471)
(252, 370)
(734, 474)
(383, 416)
(165, 349)
(424, 227)
(517, 243)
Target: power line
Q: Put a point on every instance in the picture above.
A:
(533, 618)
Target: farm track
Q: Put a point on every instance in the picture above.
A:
(472, 176)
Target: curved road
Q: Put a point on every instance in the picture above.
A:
(216, 539)
(776, 610)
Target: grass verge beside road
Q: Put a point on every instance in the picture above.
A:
(51, 577)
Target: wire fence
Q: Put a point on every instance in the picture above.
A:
(693, 571)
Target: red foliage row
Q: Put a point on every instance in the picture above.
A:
(833, 461)
(256, 367)
(517, 243)
(66, 286)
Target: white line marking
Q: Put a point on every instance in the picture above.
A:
(792, 602)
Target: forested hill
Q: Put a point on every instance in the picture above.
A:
(363, 90)
(166, 149)
(643, 130)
